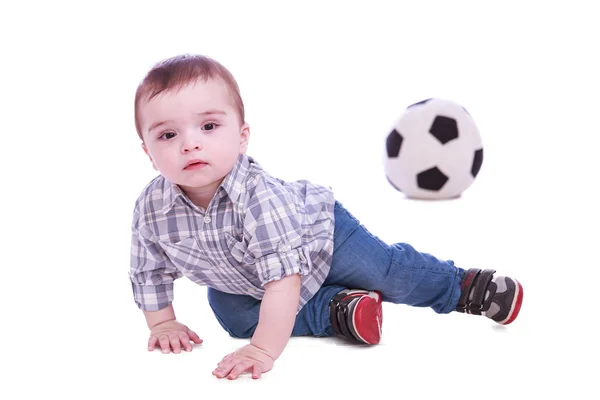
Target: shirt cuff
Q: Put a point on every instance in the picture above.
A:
(152, 297)
(284, 263)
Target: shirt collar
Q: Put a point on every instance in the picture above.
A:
(235, 182)
(171, 193)
(233, 185)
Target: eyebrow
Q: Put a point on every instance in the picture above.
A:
(212, 112)
(157, 124)
(202, 114)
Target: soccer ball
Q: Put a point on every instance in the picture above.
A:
(434, 150)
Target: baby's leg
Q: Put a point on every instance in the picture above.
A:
(403, 275)
(400, 273)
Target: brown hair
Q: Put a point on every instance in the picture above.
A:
(175, 72)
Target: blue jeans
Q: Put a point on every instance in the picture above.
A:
(360, 261)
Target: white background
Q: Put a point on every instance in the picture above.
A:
(322, 83)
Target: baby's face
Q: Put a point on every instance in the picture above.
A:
(193, 136)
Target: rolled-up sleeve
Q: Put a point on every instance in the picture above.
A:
(151, 272)
(274, 230)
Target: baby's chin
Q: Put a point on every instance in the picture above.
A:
(200, 183)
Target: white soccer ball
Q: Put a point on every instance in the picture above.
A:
(434, 150)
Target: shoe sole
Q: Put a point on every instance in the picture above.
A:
(368, 313)
(515, 306)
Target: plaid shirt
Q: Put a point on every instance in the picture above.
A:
(256, 229)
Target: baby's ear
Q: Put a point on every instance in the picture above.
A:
(148, 154)
(145, 150)
(244, 138)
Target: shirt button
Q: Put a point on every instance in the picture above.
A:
(207, 219)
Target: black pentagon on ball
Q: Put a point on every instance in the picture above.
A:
(431, 179)
(477, 161)
(444, 129)
(394, 143)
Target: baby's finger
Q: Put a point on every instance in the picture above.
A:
(152, 343)
(175, 343)
(221, 372)
(240, 368)
(225, 367)
(195, 338)
(164, 344)
(185, 341)
(256, 371)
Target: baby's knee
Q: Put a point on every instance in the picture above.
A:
(238, 324)
(239, 332)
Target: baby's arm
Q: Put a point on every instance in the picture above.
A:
(275, 324)
(277, 315)
(149, 265)
(273, 229)
(154, 318)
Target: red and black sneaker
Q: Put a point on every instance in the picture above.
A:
(498, 298)
(357, 315)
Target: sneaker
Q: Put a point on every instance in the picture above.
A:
(498, 298)
(357, 315)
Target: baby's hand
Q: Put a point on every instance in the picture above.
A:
(172, 335)
(245, 359)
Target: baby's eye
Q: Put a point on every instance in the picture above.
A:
(210, 126)
(168, 135)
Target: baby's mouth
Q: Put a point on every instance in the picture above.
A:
(195, 164)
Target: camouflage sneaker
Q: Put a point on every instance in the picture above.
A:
(357, 315)
(498, 298)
